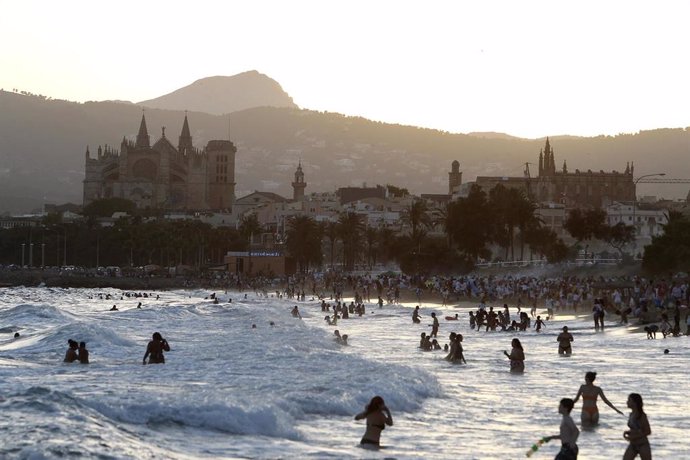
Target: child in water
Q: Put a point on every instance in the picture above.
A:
(568, 432)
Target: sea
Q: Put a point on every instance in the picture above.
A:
(285, 389)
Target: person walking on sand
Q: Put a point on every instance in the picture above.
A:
(517, 357)
(568, 432)
(378, 416)
(155, 349)
(590, 393)
(564, 340)
(639, 429)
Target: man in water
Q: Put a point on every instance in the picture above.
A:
(295, 312)
(564, 339)
(83, 353)
(155, 349)
(434, 326)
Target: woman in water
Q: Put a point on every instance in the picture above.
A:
(517, 357)
(378, 416)
(638, 432)
(590, 393)
(155, 349)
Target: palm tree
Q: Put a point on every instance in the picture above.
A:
(304, 241)
(416, 215)
(350, 229)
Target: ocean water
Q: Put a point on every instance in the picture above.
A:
(289, 391)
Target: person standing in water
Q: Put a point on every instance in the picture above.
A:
(590, 393)
(416, 318)
(155, 349)
(638, 432)
(71, 354)
(517, 357)
(83, 353)
(434, 326)
(378, 416)
(564, 339)
(568, 432)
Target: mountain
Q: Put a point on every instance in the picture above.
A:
(43, 141)
(220, 95)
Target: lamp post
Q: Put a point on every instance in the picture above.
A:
(635, 208)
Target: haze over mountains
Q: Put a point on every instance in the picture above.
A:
(43, 141)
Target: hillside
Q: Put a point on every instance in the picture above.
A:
(42, 145)
(220, 95)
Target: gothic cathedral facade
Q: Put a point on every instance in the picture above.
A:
(163, 176)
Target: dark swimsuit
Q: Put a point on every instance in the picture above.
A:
(369, 441)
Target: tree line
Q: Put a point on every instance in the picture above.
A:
(450, 239)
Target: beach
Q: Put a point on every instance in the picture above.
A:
(228, 390)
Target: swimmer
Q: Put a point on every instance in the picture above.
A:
(416, 318)
(155, 349)
(452, 318)
(295, 312)
(568, 432)
(139, 305)
(378, 416)
(564, 339)
(83, 353)
(539, 323)
(114, 308)
(71, 354)
(638, 432)
(590, 393)
(434, 326)
(517, 357)
(16, 335)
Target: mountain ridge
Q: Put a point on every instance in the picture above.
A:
(220, 94)
(43, 141)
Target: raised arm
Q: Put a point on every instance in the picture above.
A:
(361, 415)
(389, 417)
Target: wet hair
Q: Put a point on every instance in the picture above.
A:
(637, 400)
(157, 336)
(516, 343)
(568, 404)
(590, 376)
(82, 344)
(374, 405)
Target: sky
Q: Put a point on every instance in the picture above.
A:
(525, 68)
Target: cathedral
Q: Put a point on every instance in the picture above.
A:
(164, 176)
(578, 189)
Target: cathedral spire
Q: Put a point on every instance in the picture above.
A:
(185, 142)
(143, 136)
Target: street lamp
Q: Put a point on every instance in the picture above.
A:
(635, 208)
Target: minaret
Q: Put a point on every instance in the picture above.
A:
(143, 141)
(298, 185)
(185, 143)
(454, 177)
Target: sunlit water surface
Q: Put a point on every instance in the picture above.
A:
(289, 391)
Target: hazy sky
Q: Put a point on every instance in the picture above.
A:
(527, 68)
